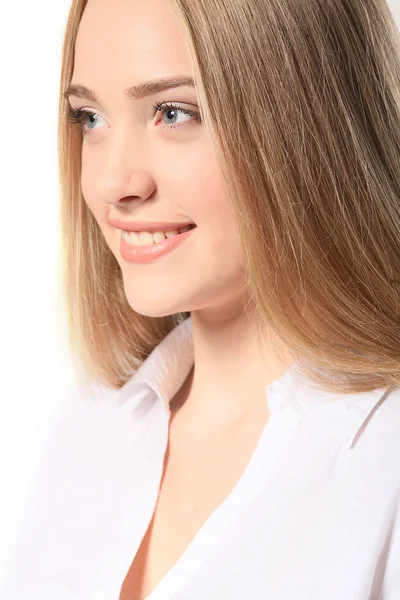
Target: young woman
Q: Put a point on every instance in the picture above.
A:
(230, 220)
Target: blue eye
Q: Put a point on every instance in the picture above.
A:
(169, 107)
(79, 116)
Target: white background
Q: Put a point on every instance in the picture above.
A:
(35, 367)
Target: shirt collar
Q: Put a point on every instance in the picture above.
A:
(339, 416)
(167, 367)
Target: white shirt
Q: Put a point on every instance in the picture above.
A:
(314, 516)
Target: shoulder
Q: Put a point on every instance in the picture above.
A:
(377, 444)
(79, 411)
(64, 485)
(76, 429)
(69, 442)
(384, 436)
(382, 426)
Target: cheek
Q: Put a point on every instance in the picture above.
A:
(212, 208)
(199, 187)
(96, 205)
(91, 167)
(87, 181)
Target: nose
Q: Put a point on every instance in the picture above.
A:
(139, 186)
(125, 172)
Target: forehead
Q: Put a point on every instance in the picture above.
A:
(139, 39)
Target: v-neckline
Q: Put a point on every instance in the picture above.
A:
(257, 475)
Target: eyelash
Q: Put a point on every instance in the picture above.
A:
(76, 115)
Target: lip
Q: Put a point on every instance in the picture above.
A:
(150, 226)
(146, 254)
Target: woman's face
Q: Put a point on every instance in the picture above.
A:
(139, 164)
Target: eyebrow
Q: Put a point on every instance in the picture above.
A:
(135, 92)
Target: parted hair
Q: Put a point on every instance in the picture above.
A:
(301, 101)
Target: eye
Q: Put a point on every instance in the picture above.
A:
(77, 115)
(172, 111)
(80, 116)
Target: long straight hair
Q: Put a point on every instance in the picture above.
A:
(301, 101)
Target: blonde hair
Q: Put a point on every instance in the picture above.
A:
(301, 101)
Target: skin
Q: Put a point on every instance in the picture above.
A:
(134, 169)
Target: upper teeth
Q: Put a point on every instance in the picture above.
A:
(145, 238)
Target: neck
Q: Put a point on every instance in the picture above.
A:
(230, 374)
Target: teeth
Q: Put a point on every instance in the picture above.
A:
(145, 238)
